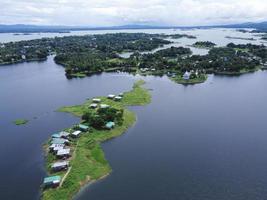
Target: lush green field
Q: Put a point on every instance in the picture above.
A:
(20, 122)
(88, 161)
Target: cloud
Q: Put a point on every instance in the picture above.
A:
(119, 12)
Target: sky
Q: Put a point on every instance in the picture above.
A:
(122, 12)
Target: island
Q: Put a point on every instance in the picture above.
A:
(74, 156)
(204, 45)
(151, 54)
(19, 122)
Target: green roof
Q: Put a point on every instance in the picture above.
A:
(83, 126)
(56, 135)
(52, 179)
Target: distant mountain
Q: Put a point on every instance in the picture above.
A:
(23, 28)
(262, 26)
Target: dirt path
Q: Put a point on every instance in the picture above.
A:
(67, 173)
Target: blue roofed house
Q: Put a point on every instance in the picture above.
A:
(52, 181)
(83, 127)
(110, 125)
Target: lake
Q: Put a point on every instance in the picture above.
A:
(198, 142)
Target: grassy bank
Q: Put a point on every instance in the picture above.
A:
(20, 122)
(88, 161)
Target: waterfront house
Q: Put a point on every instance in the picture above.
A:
(117, 98)
(96, 100)
(61, 134)
(104, 106)
(121, 94)
(76, 134)
(64, 134)
(52, 181)
(83, 127)
(52, 146)
(110, 125)
(59, 141)
(93, 105)
(56, 149)
(55, 135)
(111, 96)
(63, 153)
(58, 166)
(186, 75)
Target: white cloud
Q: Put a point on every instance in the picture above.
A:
(119, 12)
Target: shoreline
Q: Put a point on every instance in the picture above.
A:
(89, 163)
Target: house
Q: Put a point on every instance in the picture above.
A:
(64, 134)
(59, 141)
(111, 96)
(61, 134)
(63, 153)
(93, 105)
(76, 134)
(56, 135)
(110, 125)
(96, 100)
(52, 181)
(121, 94)
(117, 98)
(83, 127)
(186, 75)
(56, 145)
(58, 166)
(104, 106)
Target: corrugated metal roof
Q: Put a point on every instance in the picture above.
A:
(52, 179)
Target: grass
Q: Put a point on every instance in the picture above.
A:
(88, 163)
(19, 122)
(78, 75)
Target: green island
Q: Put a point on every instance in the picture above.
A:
(194, 78)
(83, 56)
(204, 44)
(19, 122)
(87, 162)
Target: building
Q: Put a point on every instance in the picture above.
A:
(96, 100)
(111, 96)
(104, 106)
(52, 146)
(93, 105)
(110, 125)
(117, 98)
(63, 153)
(83, 127)
(52, 181)
(121, 94)
(59, 141)
(61, 134)
(186, 75)
(76, 134)
(58, 166)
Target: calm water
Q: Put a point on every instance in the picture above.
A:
(200, 142)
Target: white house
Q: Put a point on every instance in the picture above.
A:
(186, 75)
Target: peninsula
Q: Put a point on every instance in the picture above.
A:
(103, 118)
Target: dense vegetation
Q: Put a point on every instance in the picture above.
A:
(84, 55)
(205, 44)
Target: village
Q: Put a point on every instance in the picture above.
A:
(62, 144)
